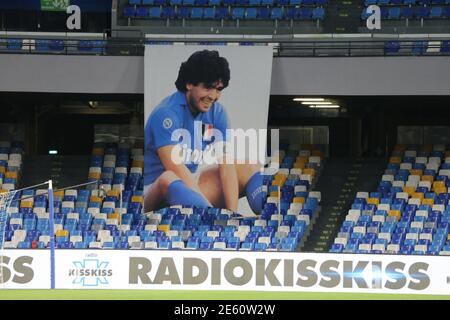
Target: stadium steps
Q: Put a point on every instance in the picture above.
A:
(63, 170)
(340, 181)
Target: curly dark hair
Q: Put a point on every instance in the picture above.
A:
(204, 66)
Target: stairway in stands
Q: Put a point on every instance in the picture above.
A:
(341, 179)
(63, 170)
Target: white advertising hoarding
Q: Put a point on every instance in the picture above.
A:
(25, 269)
(252, 271)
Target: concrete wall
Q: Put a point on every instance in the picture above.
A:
(290, 76)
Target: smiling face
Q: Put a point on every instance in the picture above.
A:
(202, 96)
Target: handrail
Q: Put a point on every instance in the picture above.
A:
(299, 47)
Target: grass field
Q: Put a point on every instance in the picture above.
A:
(200, 295)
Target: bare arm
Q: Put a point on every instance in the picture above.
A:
(230, 186)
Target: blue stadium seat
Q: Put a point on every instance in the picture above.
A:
(263, 13)
(419, 47)
(251, 13)
(168, 13)
(129, 12)
(305, 13)
(221, 13)
(237, 13)
(436, 12)
(197, 13)
(155, 12)
(421, 12)
(291, 13)
(141, 12)
(318, 13)
(394, 13)
(276, 13)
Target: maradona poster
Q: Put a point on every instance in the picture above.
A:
(206, 110)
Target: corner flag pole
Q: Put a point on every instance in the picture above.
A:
(52, 234)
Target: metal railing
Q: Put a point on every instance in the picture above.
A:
(284, 48)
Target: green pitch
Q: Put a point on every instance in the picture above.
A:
(200, 295)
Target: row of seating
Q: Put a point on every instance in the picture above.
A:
(10, 164)
(216, 3)
(116, 167)
(417, 47)
(405, 2)
(109, 218)
(54, 45)
(396, 13)
(235, 13)
(409, 213)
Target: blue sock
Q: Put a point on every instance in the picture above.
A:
(255, 193)
(180, 194)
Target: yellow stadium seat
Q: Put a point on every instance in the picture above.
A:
(438, 191)
(113, 216)
(138, 163)
(299, 200)
(427, 178)
(448, 237)
(375, 201)
(409, 190)
(278, 183)
(299, 165)
(2, 169)
(428, 201)
(94, 175)
(98, 151)
(396, 160)
(279, 176)
(113, 193)
(302, 159)
(274, 194)
(3, 191)
(164, 227)
(62, 233)
(416, 172)
(418, 195)
(395, 213)
(11, 175)
(310, 171)
(26, 204)
(438, 184)
(137, 199)
(59, 193)
(95, 199)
